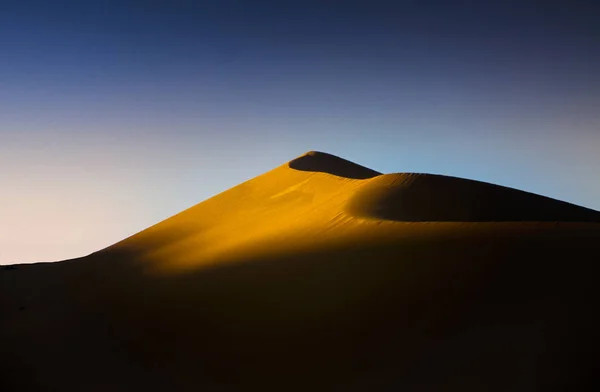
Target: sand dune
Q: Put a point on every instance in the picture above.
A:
(320, 274)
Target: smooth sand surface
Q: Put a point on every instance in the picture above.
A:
(320, 275)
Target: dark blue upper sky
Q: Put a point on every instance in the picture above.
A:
(146, 39)
(119, 53)
(148, 107)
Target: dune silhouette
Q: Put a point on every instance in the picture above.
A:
(320, 274)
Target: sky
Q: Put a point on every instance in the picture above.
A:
(115, 115)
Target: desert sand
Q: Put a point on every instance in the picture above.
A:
(324, 275)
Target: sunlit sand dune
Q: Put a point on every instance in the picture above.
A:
(320, 275)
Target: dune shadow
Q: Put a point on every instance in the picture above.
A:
(392, 315)
(357, 312)
(315, 161)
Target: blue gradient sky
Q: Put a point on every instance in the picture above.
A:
(115, 115)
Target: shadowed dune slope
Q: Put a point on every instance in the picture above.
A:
(415, 197)
(320, 274)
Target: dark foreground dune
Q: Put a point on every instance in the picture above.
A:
(320, 275)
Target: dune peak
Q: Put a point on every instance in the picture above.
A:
(317, 161)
